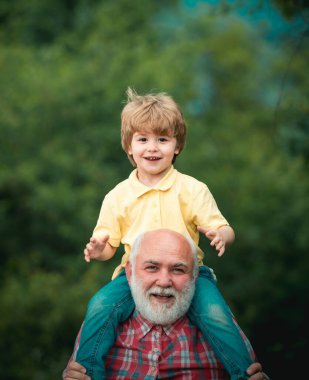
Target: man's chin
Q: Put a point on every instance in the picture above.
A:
(161, 307)
(162, 313)
(160, 317)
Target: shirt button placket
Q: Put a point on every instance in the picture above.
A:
(156, 208)
(156, 349)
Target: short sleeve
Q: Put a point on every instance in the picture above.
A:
(108, 222)
(205, 210)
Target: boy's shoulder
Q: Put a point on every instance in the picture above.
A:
(118, 190)
(188, 179)
(121, 186)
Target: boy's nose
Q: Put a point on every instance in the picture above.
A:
(152, 146)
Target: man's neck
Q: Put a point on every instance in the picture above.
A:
(166, 327)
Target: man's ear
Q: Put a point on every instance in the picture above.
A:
(128, 269)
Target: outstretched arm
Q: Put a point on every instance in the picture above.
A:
(219, 238)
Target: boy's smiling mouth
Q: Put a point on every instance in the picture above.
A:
(152, 158)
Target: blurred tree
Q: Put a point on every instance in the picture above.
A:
(291, 119)
(292, 8)
(40, 23)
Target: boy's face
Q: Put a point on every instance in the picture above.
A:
(153, 155)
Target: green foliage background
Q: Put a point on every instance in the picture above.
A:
(64, 70)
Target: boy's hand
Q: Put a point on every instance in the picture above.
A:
(216, 238)
(95, 247)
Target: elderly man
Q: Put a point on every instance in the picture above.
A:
(158, 340)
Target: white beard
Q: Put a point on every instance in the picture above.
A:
(161, 313)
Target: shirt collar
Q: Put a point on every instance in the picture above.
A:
(142, 326)
(163, 185)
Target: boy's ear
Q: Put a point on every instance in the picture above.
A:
(128, 269)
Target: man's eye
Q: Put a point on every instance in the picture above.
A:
(178, 270)
(151, 268)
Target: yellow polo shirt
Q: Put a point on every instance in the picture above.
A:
(178, 202)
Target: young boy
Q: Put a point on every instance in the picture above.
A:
(156, 195)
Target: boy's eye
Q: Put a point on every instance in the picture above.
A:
(163, 139)
(142, 139)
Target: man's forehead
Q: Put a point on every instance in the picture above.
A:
(162, 261)
(163, 237)
(167, 253)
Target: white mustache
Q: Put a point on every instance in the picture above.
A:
(158, 291)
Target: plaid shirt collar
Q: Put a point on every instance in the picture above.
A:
(142, 326)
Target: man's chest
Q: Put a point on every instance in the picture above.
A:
(159, 356)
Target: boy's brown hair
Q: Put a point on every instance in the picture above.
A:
(155, 113)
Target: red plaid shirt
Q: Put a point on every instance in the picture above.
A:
(179, 352)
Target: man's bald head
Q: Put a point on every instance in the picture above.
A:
(164, 240)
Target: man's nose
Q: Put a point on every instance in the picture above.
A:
(164, 279)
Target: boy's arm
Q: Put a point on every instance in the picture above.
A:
(219, 238)
(99, 249)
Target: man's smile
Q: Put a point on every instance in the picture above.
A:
(162, 296)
